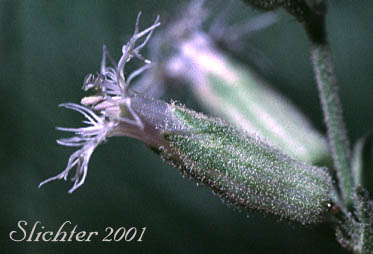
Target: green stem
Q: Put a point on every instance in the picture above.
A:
(332, 109)
(314, 23)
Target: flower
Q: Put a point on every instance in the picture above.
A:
(239, 167)
(106, 118)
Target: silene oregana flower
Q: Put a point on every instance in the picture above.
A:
(241, 168)
(110, 111)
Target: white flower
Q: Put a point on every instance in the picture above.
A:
(106, 118)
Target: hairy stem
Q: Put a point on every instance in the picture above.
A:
(314, 23)
(332, 109)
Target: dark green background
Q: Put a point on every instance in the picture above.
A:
(47, 47)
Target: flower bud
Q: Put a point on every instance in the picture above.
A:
(242, 97)
(228, 89)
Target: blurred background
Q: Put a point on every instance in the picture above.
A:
(46, 49)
